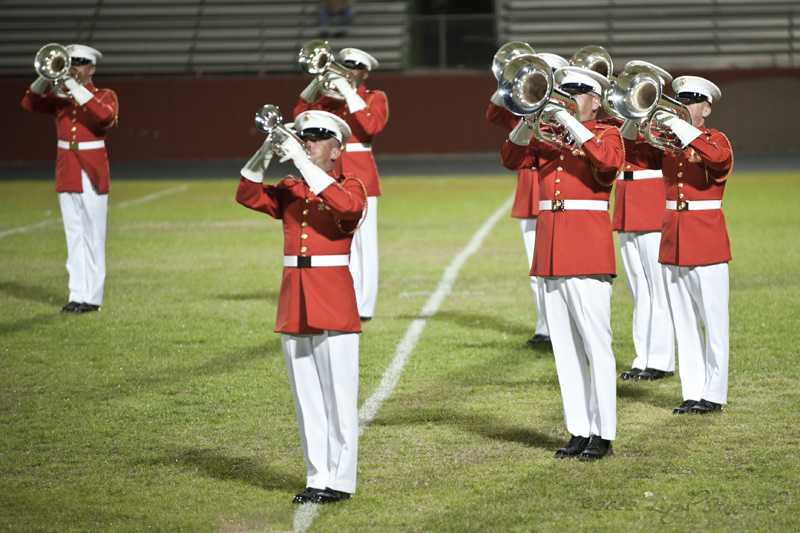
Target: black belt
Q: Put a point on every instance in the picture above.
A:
(627, 175)
(303, 261)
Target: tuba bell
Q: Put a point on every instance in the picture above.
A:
(527, 89)
(596, 58)
(638, 95)
(508, 52)
(316, 59)
(269, 120)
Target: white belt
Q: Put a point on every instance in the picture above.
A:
(308, 261)
(695, 205)
(563, 205)
(91, 145)
(646, 174)
(357, 147)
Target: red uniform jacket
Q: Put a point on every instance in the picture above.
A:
(573, 242)
(364, 124)
(316, 298)
(638, 203)
(692, 238)
(76, 123)
(526, 198)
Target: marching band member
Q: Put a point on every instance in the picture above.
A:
(83, 116)
(366, 113)
(317, 313)
(574, 254)
(638, 212)
(695, 248)
(526, 199)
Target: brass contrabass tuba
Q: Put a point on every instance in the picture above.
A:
(315, 58)
(638, 95)
(527, 89)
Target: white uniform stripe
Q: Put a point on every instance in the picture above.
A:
(305, 514)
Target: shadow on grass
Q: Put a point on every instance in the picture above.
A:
(30, 322)
(31, 292)
(217, 465)
(269, 295)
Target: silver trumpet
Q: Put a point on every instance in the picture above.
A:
(638, 95)
(52, 62)
(270, 121)
(316, 59)
(527, 89)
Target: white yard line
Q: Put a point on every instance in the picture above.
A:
(305, 514)
(137, 201)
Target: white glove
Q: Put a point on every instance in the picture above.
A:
(682, 129)
(630, 129)
(40, 85)
(317, 179)
(289, 148)
(522, 133)
(496, 100)
(578, 131)
(255, 169)
(309, 94)
(354, 102)
(80, 93)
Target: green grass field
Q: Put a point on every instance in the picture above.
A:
(170, 409)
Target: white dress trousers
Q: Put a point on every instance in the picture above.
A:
(700, 294)
(323, 373)
(528, 227)
(579, 319)
(652, 339)
(364, 261)
(84, 215)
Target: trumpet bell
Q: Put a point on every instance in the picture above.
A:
(594, 57)
(508, 52)
(52, 61)
(268, 118)
(525, 84)
(315, 57)
(635, 94)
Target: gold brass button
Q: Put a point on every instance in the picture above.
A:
(558, 192)
(305, 211)
(303, 249)
(304, 236)
(680, 174)
(303, 224)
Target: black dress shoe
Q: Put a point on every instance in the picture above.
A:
(539, 339)
(307, 495)
(87, 308)
(330, 496)
(631, 374)
(651, 374)
(573, 448)
(597, 449)
(684, 408)
(704, 406)
(71, 307)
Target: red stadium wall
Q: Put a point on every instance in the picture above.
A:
(212, 118)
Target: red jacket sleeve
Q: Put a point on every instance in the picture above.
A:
(260, 197)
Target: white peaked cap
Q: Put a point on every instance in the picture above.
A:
(359, 56)
(322, 120)
(666, 77)
(695, 84)
(571, 74)
(553, 60)
(84, 52)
